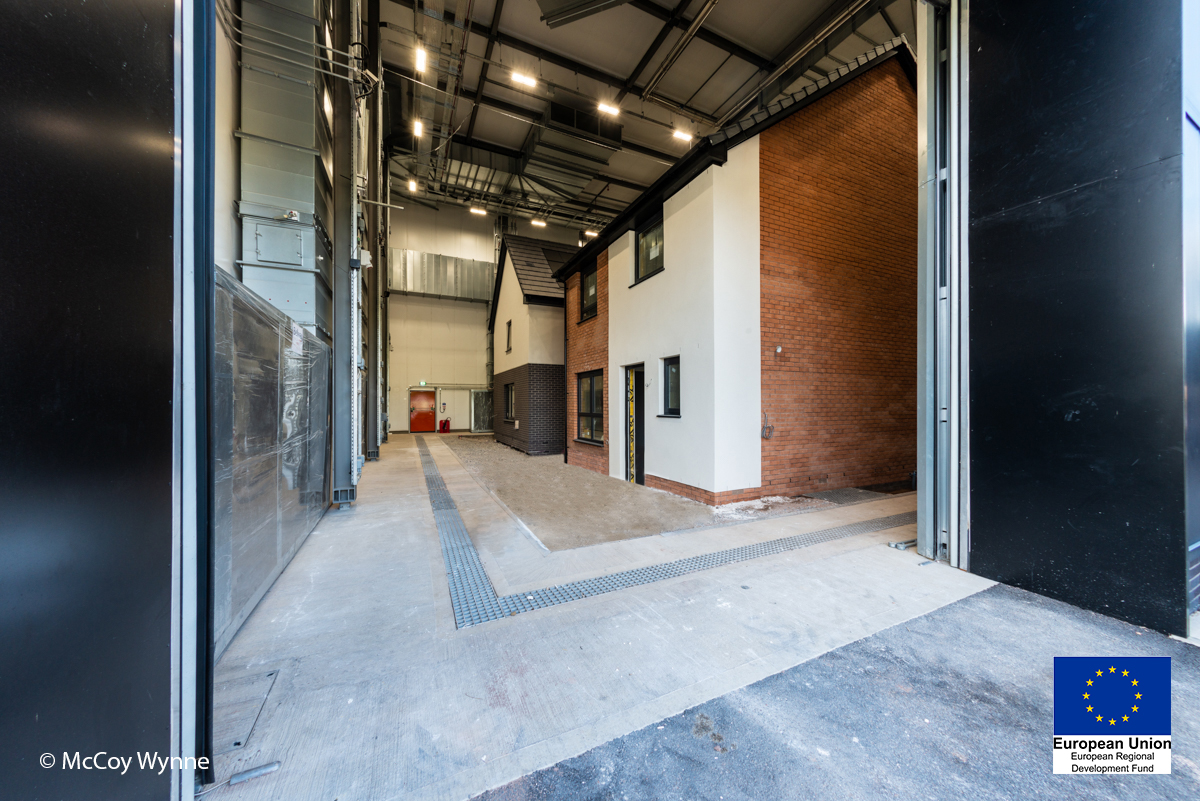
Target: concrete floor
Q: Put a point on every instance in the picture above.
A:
(371, 692)
(957, 704)
(566, 506)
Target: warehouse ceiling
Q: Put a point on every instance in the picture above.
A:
(509, 97)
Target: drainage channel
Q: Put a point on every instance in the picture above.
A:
(475, 601)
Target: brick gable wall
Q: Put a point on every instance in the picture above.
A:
(839, 288)
(587, 349)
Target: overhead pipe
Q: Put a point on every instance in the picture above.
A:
(679, 47)
(821, 35)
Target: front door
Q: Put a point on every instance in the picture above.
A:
(635, 402)
(421, 413)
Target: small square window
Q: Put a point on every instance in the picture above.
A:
(508, 337)
(510, 401)
(671, 386)
(590, 406)
(588, 294)
(649, 251)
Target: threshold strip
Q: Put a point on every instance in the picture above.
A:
(475, 601)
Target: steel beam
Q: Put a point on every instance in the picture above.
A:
(706, 35)
(483, 70)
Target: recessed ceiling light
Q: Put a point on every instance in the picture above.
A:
(420, 59)
(412, 186)
(590, 233)
(523, 79)
(684, 135)
(607, 109)
(418, 128)
(475, 210)
(539, 223)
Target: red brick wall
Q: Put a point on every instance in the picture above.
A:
(839, 288)
(587, 349)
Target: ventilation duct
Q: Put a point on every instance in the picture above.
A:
(435, 276)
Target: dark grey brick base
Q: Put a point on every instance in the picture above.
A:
(541, 408)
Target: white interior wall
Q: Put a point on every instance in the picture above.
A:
(227, 233)
(440, 342)
(449, 231)
(737, 338)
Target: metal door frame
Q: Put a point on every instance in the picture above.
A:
(943, 425)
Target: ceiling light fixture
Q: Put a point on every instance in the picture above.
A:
(412, 186)
(607, 109)
(539, 223)
(475, 210)
(590, 233)
(418, 128)
(524, 79)
(420, 59)
(683, 135)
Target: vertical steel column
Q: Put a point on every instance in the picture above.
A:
(943, 476)
(374, 214)
(345, 272)
(928, 259)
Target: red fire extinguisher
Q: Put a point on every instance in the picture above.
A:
(444, 426)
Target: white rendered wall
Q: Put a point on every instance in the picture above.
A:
(704, 308)
(227, 230)
(736, 320)
(537, 331)
(510, 306)
(438, 342)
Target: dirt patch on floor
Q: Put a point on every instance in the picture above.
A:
(569, 507)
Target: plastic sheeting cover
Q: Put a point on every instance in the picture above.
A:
(270, 423)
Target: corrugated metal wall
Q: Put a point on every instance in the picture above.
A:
(437, 276)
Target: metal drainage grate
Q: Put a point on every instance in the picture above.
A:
(475, 601)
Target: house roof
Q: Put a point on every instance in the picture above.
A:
(714, 149)
(534, 262)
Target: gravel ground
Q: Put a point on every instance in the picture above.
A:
(570, 507)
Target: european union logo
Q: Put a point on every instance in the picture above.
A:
(1113, 695)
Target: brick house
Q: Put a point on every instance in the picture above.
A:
(747, 327)
(526, 323)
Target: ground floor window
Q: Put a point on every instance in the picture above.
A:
(591, 406)
(671, 386)
(510, 401)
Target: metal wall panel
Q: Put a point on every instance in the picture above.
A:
(437, 276)
(86, 377)
(1076, 296)
(270, 431)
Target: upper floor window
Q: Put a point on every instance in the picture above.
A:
(588, 295)
(508, 337)
(649, 251)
